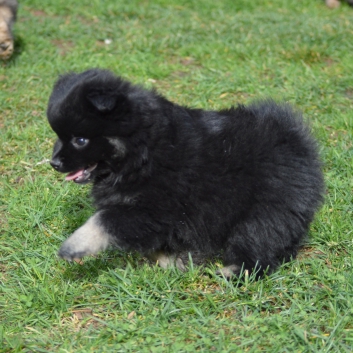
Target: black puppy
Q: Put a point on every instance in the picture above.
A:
(167, 179)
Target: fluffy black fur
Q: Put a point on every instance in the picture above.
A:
(245, 181)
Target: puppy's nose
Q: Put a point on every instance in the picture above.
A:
(55, 163)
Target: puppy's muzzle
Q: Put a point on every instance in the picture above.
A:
(56, 163)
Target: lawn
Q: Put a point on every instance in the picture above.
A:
(207, 54)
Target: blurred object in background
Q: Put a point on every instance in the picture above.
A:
(332, 4)
(8, 11)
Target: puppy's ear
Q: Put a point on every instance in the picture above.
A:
(104, 102)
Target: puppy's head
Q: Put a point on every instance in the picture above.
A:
(92, 116)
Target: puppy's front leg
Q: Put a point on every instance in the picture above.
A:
(89, 239)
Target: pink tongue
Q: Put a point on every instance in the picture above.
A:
(74, 175)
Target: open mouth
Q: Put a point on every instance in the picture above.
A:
(81, 176)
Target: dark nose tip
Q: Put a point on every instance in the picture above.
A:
(55, 163)
(4, 46)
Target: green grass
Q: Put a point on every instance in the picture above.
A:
(207, 54)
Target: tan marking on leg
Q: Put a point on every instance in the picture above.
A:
(167, 261)
(228, 271)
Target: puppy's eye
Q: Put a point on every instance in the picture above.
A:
(79, 142)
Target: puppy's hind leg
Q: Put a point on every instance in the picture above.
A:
(89, 239)
(262, 242)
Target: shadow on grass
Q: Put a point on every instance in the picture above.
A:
(92, 267)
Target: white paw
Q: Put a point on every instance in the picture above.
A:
(89, 239)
